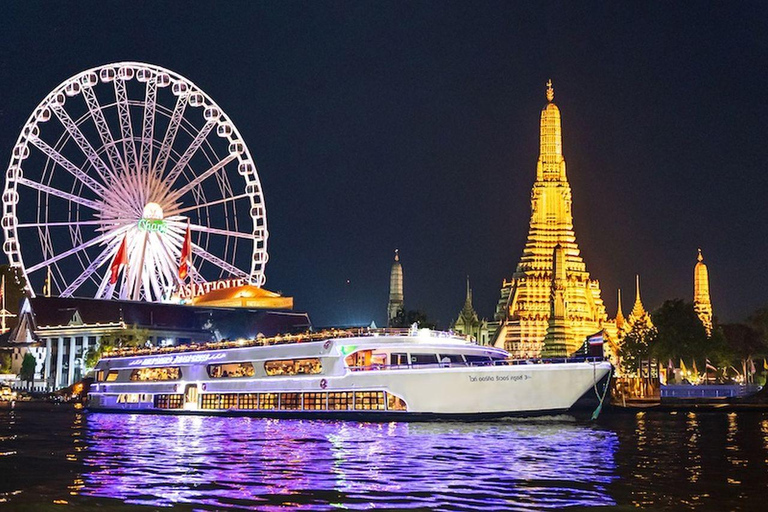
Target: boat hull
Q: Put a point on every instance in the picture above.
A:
(459, 393)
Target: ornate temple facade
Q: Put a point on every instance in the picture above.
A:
(701, 302)
(469, 324)
(396, 302)
(525, 305)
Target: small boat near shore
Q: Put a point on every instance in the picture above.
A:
(366, 374)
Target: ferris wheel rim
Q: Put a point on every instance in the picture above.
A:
(15, 172)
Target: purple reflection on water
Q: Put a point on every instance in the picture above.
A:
(249, 462)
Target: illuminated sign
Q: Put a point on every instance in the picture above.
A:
(152, 218)
(174, 359)
(156, 225)
(194, 289)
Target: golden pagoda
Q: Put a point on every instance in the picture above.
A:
(619, 314)
(701, 302)
(638, 313)
(523, 311)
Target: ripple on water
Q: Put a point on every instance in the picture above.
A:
(222, 462)
(655, 460)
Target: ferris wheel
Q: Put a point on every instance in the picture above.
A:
(130, 167)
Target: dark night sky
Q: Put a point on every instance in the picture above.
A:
(415, 125)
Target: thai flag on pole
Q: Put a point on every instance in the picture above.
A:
(186, 254)
(121, 258)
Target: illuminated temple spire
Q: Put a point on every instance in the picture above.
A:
(556, 340)
(638, 313)
(619, 314)
(395, 289)
(701, 300)
(523, 310)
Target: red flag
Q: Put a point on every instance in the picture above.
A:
(121, 258)
(186, 253)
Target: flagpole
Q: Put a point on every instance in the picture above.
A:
(137, 284)
(3, 293)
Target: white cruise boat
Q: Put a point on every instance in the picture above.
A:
(372, 374)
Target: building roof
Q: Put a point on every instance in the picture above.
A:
(49, 313)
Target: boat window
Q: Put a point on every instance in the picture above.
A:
(169, 401)
(231, 370)
(268, 401)
(423, 358)
(451, 359)
(367, 400)
(395, 403)
(314, 401)
(379, 359)
(99, 376)
(128, 398)
(339, 400)
(293, 367)
(359, 359)
(159, 373)
(475, 360)
(112, 376)
(399, 359)
(248, 401)
(310, 401)
(290, 401)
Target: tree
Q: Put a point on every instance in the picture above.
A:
(636, 347)
(406, 318)
(744, 343)
(14, 290)
(759, 322)
(5, 363)
(129, 337)
(28, 365)
(680, 333)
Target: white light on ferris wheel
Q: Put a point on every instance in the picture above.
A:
(133, 152)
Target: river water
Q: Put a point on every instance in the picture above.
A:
(659, 460)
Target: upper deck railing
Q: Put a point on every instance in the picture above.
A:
(494, 362)
(282, 339)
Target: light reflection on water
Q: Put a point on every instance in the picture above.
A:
(657, 460)
(219, 462)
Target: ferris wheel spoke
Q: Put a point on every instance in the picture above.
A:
(76, 249)
(124, 113)
(210, 258)
(85, 146)
(147, 133)
(66, 164)
(59, 193)
(166, 260)
(103, 128)
(213, 231)
(202, 177)
(70, 223)
(206, 205)
(189, 152)
(165, 268)
(108, 251)
(170, 134)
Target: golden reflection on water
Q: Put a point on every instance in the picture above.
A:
(732, 449)
(693, 460)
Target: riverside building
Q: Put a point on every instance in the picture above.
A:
(59, 331)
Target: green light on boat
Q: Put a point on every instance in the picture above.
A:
(347, 349)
